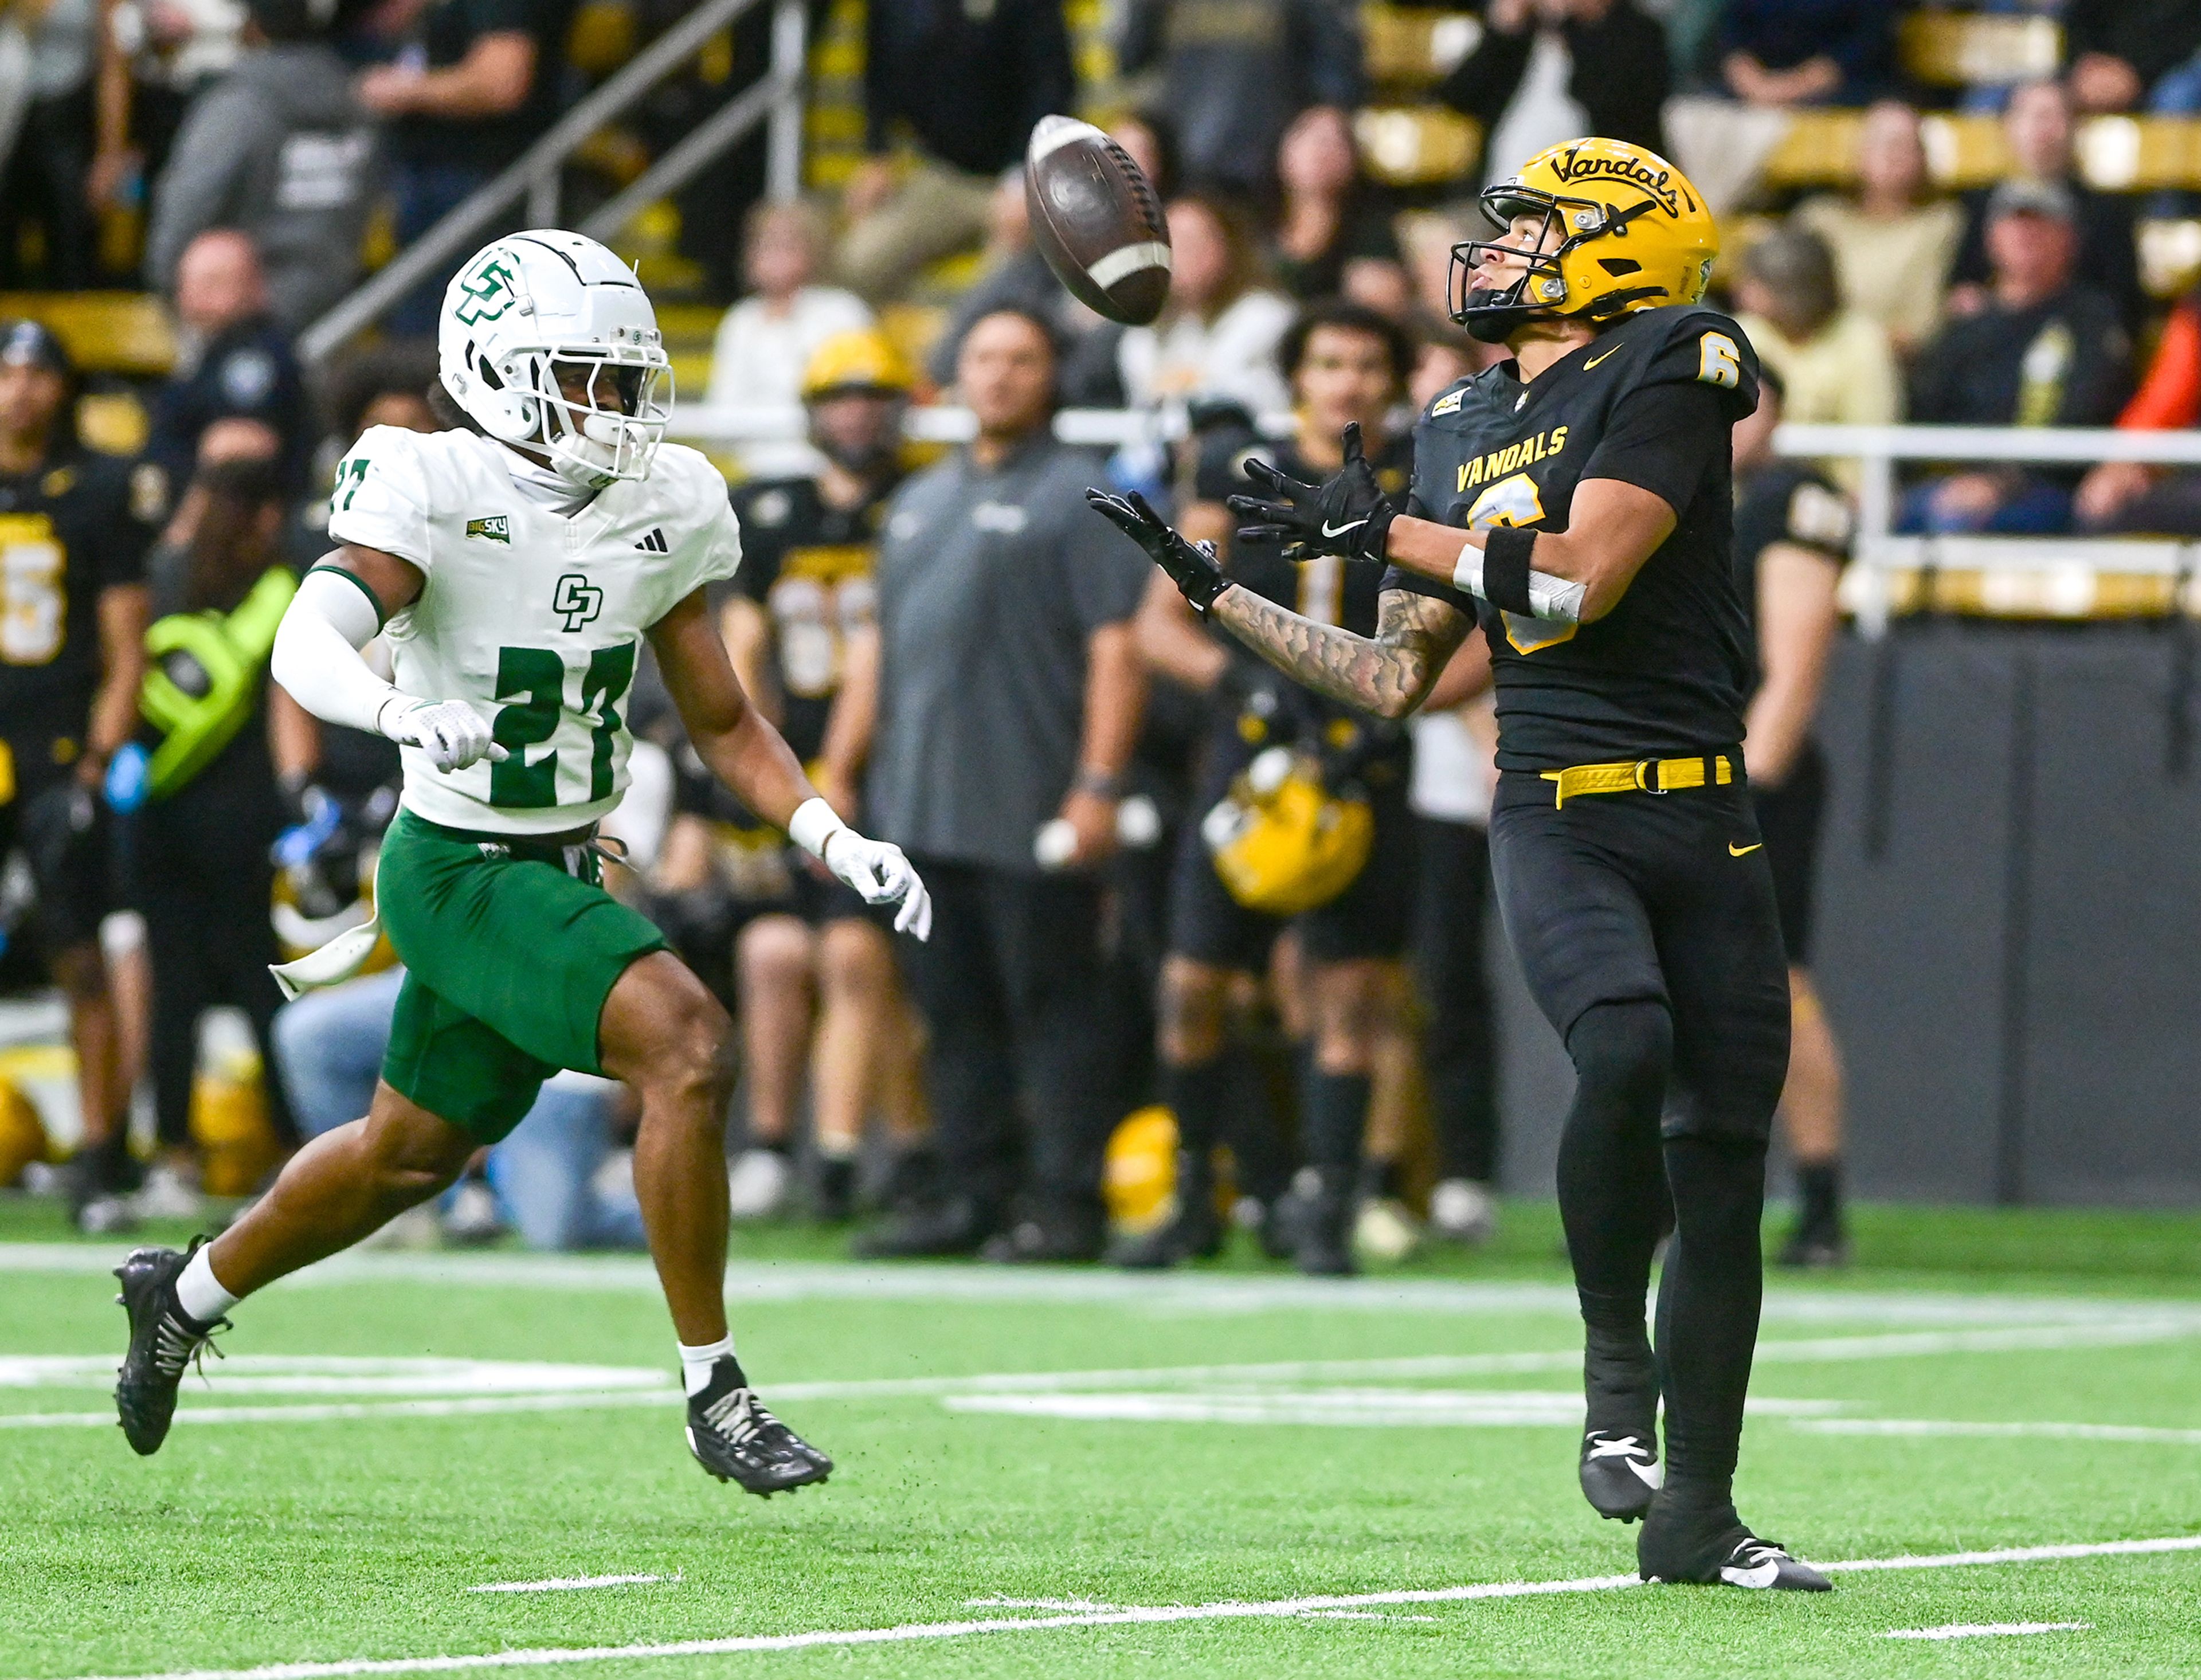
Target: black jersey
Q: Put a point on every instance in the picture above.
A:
(1326, 588)
(1650, 401)
(68, 531)
(1786, 501)
(810, 567)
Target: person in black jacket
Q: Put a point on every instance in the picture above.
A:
(2047, 350)
(1619, 57)
(2118, 52)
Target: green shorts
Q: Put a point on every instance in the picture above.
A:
(510, 949)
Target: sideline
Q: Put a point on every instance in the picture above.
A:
(1228, 1610)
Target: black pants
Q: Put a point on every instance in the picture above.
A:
(1648, 934)
(201, 875)
(1010, 984)
(1458, 1044)
(1663, 897)
(44, 182)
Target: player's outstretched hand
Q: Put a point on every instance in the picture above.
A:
(1347, 515)
(450, 731)
(881, 875)
(1191, 566)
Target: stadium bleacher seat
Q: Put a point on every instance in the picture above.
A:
(1954, 48)
(1417, 145)
(125, 332)
(2117, 154)
(1408, 48)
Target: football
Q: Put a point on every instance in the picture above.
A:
(1096, 220)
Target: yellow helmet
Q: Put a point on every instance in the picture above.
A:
(1635, 233)
(23, 1133)
(1281, 843)
(862, 361)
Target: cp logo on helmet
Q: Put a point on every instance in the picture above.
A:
(1633, 233)
(550, 343)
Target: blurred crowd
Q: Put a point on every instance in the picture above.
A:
(972, 665)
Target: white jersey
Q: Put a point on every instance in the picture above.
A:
(534, 618)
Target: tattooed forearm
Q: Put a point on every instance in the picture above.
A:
(1388, 674)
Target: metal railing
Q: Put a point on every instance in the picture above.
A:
(535, 175)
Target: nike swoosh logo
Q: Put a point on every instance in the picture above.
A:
(1594, 360)
(1328, 529)
(1734, 850)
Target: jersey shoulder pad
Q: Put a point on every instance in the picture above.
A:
(700, 519)
(387, 488)
(765, 505)
(1686, 344)
(1814, 515)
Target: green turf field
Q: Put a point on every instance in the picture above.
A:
(1228, 1473)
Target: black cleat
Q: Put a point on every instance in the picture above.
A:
(734, 1437)
(833, 1202)
(1192, 1231)
(163, 1340)
(1620, 1472)
(961, 1225)
(1714, 1550)
(1317, 1220)
(1050, 1236)
(1820, 1246)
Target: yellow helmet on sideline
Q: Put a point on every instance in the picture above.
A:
(23, 1137)
(1636, 235)
(863, 361)
(1281, 843)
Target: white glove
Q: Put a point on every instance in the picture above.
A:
(450, 731)
(881, 875)
(878, 871)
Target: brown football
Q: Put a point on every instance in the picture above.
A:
(1096, 220)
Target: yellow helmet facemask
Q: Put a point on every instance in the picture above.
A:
(1634, 235)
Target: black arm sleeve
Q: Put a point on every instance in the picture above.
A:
(1661, 438)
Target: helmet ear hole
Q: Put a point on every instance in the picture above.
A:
(1618, 266)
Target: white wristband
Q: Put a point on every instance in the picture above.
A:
(814, 823)
(1467, 573)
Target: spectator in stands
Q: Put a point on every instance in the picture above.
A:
(2036, 125)
(71, 142)
(184, 45)
(220, 735)
(1015, 277)
(384, 385)
(2124, 55)
(1835, 362)
(1616, 65)
(277, 150)
(1807, 52)
(1151, 140)
(1010, 695)
(2125, 495)
(1218, 334)
(1894, 244)
(457, 99)
(1234, 74)
(959, 88)
(232, 360)
(766, 341)
(1332, 237)
(2045, 351)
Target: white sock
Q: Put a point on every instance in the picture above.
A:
(695, 1363)
(199, 1292)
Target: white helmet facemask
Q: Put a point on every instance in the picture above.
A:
(549, 342)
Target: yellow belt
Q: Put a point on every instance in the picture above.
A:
(1642, 775)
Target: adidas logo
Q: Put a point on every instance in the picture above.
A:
(654, 542)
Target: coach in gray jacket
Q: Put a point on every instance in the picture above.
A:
(277, 148)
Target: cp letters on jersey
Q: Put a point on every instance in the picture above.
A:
(534, 618)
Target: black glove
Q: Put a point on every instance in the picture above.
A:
(1191, 567)
(1349, 515)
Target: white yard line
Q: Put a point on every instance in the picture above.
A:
(2144, 1433)
(1195, 1292)
(1228, 1610)
(1986, 1629)
(569, 1584)
(1814, 1350)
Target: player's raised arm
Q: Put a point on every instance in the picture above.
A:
(1388, 674)
(746, 752)
(340, 605)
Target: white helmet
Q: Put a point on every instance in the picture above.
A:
(529, 302)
